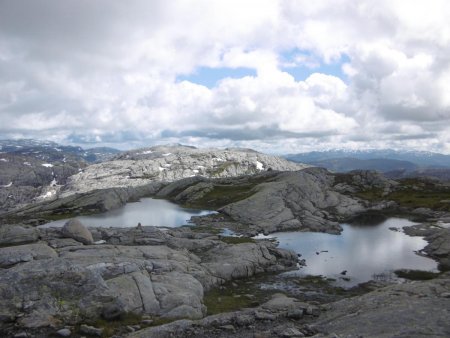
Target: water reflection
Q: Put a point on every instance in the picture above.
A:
(147, 211)
(363, 251)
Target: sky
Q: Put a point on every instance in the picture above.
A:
(278, 76)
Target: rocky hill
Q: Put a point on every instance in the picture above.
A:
(170, 163)
(32, 170)
(132, 174)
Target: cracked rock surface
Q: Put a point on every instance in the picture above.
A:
(57, 281)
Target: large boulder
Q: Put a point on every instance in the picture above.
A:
(76, 230)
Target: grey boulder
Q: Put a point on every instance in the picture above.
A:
(76, 230)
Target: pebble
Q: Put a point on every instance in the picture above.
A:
(21, 335)
(64, 332)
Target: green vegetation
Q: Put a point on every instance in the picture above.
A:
(233, 296)
(112, 327)
(229, 191)
(434, 196)
(413, 193)
(416, 274)
(313, 283)
(374, 194)
(221, 195)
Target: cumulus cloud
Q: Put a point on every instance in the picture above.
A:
(109, 72)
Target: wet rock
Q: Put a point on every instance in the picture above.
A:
(76, 230)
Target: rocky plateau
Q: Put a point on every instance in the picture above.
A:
(154, 282)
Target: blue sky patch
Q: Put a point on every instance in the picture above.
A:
(209, 77)
(301, 64)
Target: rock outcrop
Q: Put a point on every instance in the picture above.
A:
(143, 271)
(312, 199)
(415, 309)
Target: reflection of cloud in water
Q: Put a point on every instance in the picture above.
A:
(362, 251)
(147, 211)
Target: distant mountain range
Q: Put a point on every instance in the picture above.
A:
(393, 163)
(48, 151)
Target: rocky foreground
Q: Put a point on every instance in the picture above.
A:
(128, 282)
(51, 278)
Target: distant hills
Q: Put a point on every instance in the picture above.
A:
(393, 163)
(48, 151)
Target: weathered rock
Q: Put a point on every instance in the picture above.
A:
(171, 163)
(406, 310)
(234, 324)
(16, 234)
(76, 230)
(12, 255)
(74, 283)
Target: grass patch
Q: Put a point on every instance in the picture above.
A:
(412, 193)
(374, 194)
(221, 195)
(236, 295)
(416, 274)
(420, 193)
(226, 191)
(320, 283)
(112, 327)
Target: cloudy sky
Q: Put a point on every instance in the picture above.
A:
(278, 76)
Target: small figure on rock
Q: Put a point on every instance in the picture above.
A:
(343, 273)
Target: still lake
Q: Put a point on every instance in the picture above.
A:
(365, 252)
(147, 211)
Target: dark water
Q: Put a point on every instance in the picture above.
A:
(365, 252)
(147, 211)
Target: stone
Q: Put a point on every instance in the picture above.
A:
(113, 311)
(76, 230)
(295, 313)
(291, 332)
(228, 327)
(91, 330)
(21, 335)
(64, 333)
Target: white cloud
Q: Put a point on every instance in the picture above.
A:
(109, 70)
